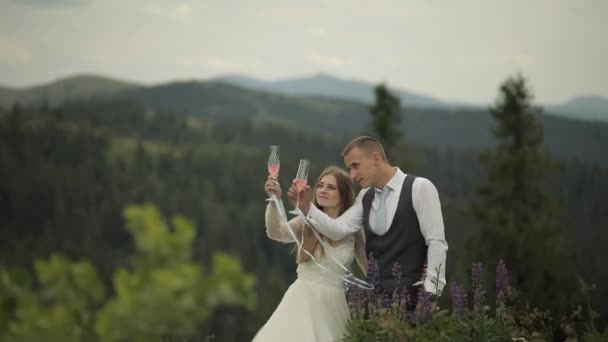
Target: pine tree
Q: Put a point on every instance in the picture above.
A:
(386, 117)
(517, 221)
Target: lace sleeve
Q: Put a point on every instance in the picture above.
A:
(278, 231)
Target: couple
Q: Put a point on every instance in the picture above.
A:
(396, 217)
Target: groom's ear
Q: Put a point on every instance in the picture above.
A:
(376, 158)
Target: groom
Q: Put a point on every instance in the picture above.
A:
(400, 214)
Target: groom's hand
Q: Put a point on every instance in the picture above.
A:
(433, 299)
(305, 197)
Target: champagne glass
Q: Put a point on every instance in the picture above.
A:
(300, 181)
(274, 164)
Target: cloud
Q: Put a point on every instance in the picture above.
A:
(522, 59)
(493, 59)
(13, 54)
(221, 64)
(53, 3)
(215, 64)
(318, 32)
(184, 10)
(393, 60)
(326, 61)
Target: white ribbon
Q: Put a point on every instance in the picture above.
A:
(349, 277)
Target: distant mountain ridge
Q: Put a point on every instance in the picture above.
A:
(75, 88)
(82, 87)
(465, 128)
(589, 107)
(330, 86)
(567, 139)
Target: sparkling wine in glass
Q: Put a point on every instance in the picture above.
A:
(274, 163)
(273, 170)
(301, 180)
(300, 184)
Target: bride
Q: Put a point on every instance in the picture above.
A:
(314, 307)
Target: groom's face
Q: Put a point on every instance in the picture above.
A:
(361, 166)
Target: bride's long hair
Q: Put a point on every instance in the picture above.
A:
(310, 242)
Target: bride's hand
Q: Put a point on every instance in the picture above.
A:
(272, 187)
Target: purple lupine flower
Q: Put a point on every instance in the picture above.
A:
(396, 299)
(479, 294)
(382, 302)
(386, 300)
(424, 309)
(397, 274)
(479, 298)
(459, 299)
(476, 275)
(355, 297)
(374, 303)
(403, 307)
(502, 283)
(373, 272)
(373, 298)
(404, 304)
(350, 295)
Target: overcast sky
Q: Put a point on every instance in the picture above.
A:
(450, 49)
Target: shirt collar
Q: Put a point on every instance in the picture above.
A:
(396, 182)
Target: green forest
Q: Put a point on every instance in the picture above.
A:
(139, 215)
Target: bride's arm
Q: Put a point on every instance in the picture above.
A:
(278, 231)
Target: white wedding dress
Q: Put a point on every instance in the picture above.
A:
(314, 307)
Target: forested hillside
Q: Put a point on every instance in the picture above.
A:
(69, 171)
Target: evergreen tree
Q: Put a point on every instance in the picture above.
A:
(386, 117)
(517, 221)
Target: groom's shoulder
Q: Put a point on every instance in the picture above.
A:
(423, 182)
(362, 193)
(417, 178)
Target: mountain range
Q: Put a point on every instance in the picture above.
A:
(76, 88)
(452, 128)
(582, 107)
(82, 87)
(330, 86)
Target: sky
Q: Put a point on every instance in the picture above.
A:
(448, 49)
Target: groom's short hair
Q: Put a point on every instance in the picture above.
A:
(365, 143)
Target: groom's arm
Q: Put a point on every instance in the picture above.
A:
(428, 209)
(337, 229)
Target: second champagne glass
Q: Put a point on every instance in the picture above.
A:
(300, 181)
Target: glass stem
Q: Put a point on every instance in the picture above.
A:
(297, 200)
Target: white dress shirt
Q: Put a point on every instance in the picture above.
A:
(427, 206)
